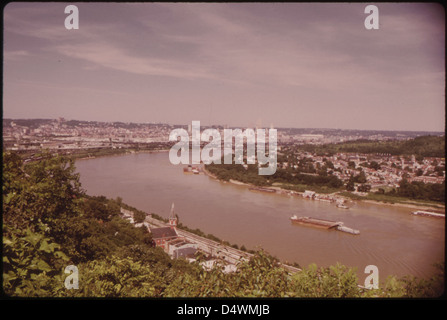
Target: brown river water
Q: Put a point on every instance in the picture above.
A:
(392, 239)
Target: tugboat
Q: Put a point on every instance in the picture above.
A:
(428, 214)
(340, 204)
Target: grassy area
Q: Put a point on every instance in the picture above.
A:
(304, 187)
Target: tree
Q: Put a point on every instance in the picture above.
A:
(374, 165)
(336, 281)
(31, 263)
(350, 185)
(47, 190)
(139, 216)
(364, 188)
(116, 277)
(361, 178)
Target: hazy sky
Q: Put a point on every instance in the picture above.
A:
(241, 64)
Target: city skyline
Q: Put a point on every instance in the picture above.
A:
(239, 64)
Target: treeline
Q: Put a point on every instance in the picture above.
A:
(250, 175)
(423, 146)
(49, 223)
(419, 191)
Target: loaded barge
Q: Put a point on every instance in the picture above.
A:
(324, 224)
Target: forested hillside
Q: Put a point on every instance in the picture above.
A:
(424, 146)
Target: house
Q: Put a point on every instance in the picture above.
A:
(181, 248)
(161, 236)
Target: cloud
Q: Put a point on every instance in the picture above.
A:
(16, 55)
(300, 56)
(242, 44)
(114, 57)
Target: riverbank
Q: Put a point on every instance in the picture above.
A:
(116, 154)
(342, 198)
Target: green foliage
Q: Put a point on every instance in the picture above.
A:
(413, 287)
(350, 186)
(139, 217)
(30, 260)
(100, 208)
(115, 277)
(420, 190)
(336, 281)
(88, 239)
(261, 276)
(47, 190)
(250, 175)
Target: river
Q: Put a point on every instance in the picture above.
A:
(392, 239)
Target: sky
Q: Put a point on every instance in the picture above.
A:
(303, 65)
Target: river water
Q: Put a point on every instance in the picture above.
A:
(392, 239)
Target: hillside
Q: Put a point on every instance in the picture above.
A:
(424, 146)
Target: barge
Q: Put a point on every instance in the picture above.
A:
(262, 189)
(323, 224)
(319, 223)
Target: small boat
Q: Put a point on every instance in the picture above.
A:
(342, 206)
(347, 229)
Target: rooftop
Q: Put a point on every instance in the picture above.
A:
(163, 232)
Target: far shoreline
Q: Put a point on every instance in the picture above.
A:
(127, 152)
(347, 199)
